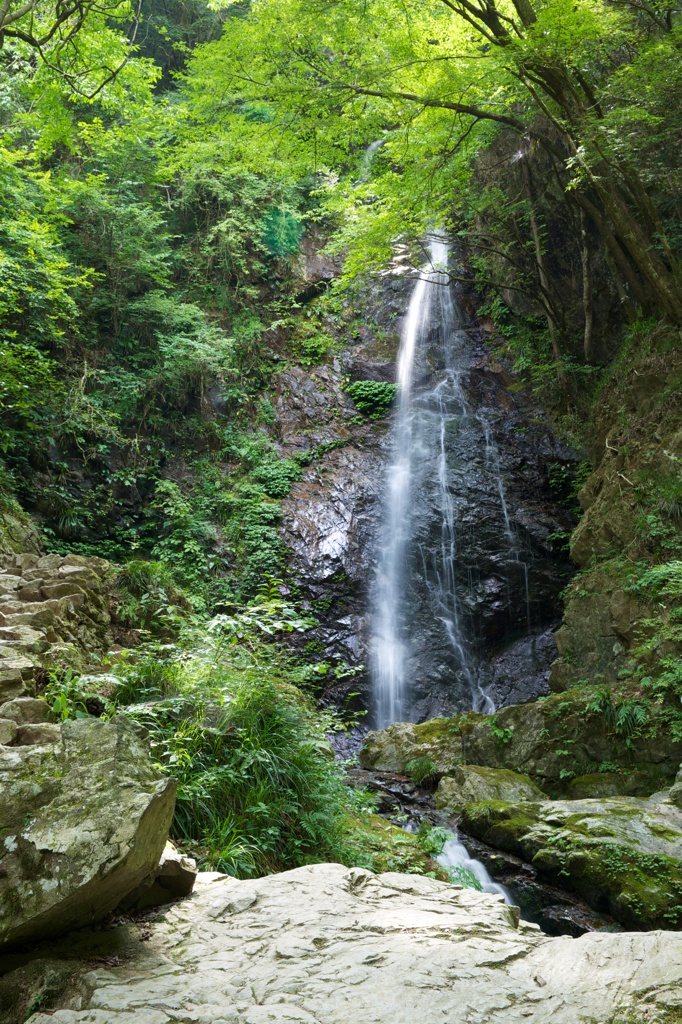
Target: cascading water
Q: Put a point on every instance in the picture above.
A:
(456, 860)
(419, 475)
(442, 452)
(388, 654)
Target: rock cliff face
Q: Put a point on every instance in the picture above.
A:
(500, 485)
(52, 610)
(329, 518)
(325, 945)
(632, 505)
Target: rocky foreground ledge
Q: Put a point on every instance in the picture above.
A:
(330, 945)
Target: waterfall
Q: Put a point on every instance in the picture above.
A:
(458, 863)
(387, 649)
(417, 566)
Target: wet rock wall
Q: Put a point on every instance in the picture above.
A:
(333, 516)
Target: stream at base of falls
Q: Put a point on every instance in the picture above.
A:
(458, 862)
(476, 865)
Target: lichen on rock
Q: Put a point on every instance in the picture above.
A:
(327, 944)
(623, 855)
(471, 783)
(82, 823)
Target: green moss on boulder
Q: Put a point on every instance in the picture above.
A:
(374, 843)
(470, 783)
(553, 740)
(623, 854)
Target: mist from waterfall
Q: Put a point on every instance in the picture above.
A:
(423, 418)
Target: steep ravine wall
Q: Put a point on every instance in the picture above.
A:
(332, 517)
(632, 504)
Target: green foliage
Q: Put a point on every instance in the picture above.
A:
(658, 658)
(626, 718)
(503, 734)
(258, 788)
(432, 838)
(149, 597)
(189, 542)
(373, 398)
(374, 843)
(423, 771)
(565, 480)
(281, 232)
(312, 348)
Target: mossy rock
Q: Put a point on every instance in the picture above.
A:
(552, 740)
(470, 783)
(377, 844)
(676, 790)
(623, 855)
(624, 783)
(392, 749)
(83, 821)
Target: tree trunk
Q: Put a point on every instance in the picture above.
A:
(651, 266)
(545, 281)
(588, 309)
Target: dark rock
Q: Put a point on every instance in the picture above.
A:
(557, 911)
(521, 672)
(40, 733)
(510, 573)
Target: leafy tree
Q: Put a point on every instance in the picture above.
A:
(433, 79)
(75, 39)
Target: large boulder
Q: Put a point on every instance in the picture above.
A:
(325, 945)
(470, 783)
(552, 740)
(82, 822)
(623, 855)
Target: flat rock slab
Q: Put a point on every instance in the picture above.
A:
(328, 945)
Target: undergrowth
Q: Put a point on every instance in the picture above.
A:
(224, 706)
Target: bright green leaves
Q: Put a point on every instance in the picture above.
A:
(281, 232)
(372, 397)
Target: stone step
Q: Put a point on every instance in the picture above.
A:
(16, 677)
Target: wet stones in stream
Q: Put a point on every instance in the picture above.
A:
(555, 910)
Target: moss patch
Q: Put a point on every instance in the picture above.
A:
(376, 844)
(615, 854)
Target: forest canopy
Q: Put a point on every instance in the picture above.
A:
(161, 165)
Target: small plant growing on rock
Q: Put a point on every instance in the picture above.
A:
(502, 733)
(432, 838)
(423, 771)
(372, 397)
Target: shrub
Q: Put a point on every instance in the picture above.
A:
(372, 397)
(422, 770)
(149, 597)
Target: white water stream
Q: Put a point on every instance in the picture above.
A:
(424, 417)
(455, 858)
